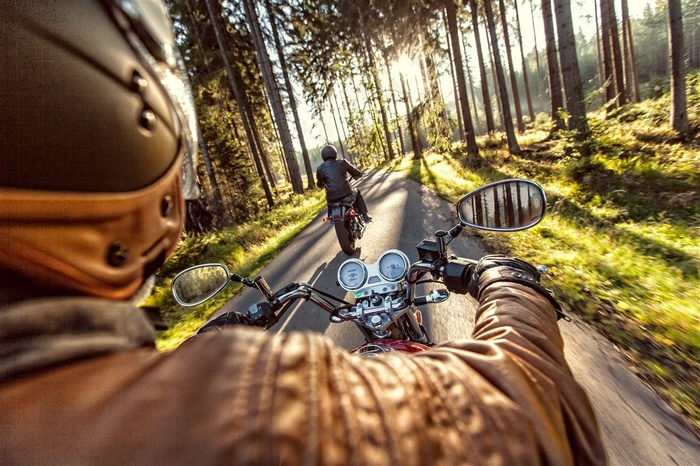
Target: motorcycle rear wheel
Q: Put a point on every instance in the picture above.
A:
(345, 238)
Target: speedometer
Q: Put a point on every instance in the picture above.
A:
(393, 265)
(352, 274)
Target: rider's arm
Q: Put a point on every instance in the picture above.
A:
(518, 349)
(319, 178)
(354, 171)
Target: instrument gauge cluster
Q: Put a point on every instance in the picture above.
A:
(379, 277)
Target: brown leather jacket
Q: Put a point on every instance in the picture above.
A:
(81, 383)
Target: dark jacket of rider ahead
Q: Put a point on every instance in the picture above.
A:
(332, 175)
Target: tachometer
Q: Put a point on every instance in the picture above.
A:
(393, 265)
(352, 274)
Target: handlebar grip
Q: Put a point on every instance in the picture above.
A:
(456, 275)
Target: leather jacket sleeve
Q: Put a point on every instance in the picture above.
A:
(242, 396)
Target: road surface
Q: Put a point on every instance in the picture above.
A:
(638, 428)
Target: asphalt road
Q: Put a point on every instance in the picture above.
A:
(638, 428)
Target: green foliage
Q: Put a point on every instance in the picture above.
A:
(621, 237)
(245, 249)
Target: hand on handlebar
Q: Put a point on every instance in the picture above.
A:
(225, 320)
(500, 268)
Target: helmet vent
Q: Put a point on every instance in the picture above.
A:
(148, 119)
(166, 206)
(117, 254)
(139, 83)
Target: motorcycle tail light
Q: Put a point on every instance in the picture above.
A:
(351, 213)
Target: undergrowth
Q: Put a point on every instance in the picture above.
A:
(622, 233)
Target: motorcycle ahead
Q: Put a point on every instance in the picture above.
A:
(384, 305)
(349, 225)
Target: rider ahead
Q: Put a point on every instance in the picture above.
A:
(94, 145)
(332, 175)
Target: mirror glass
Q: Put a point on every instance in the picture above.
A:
(507, 205)
(197, 284)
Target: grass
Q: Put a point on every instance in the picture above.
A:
(245, 249)
(621, 237)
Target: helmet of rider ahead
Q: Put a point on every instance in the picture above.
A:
(97, 143)
(329, 152)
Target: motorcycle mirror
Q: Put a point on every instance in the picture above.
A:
(197, 284)
(507, 205)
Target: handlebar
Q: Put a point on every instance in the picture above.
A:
(453, 272)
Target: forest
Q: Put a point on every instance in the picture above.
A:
(455, 93)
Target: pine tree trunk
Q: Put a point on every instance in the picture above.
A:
(511, 69)
(486, 96)
(526, 81)
(513, 146)
(214, 17)
(276, 101)
(292, 100)
(458, 110)
(375, 77)
(494, 79)
(679, 114)
(537, 58)
(575, 104)
(607, 56)
(629, 56)
(413, 131)
(393, 100)
(617, 56)
(470, 138)
(555, 93)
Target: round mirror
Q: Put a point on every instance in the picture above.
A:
(507, 205)
(197, 284)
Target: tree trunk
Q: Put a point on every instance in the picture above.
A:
(526, 81)
(218, 201)
(458, 111)
(415, 142)
(679, 114)
(486, 96)
(292, 101)
(477, 121)
(599, 49)
(494, 79)
(511, 69)
(276, 101)
(393, 100)
(613, 60)
(375, 77)
(629, 53)
(617, 56)
(575, 103)
(607, 56)
(470, 138)
(214, 17)
(537, 58)
(555, 95)
(342, 128)
(513, 146)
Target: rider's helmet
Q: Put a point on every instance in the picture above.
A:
(329, 152)
(96, 141)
